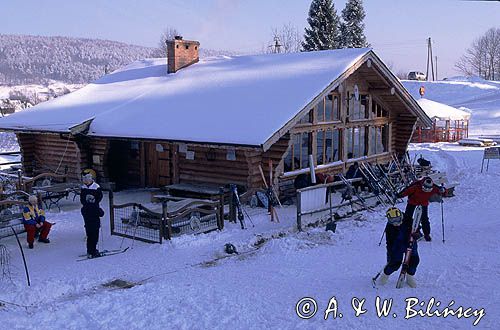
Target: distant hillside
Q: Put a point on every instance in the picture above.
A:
(34, 59)
(28, 59)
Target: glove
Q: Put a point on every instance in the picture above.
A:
(442, 190)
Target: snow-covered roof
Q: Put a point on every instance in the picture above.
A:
(440, 111)
(241, 100)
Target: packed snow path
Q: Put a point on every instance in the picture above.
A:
(259, 289)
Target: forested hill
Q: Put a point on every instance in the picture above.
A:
(35, 59)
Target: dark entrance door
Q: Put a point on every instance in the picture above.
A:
(118, 157)
(158, 166)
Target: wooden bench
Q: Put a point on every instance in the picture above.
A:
(11, 216)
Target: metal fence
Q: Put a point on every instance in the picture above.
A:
(319, 199)
(11, 213)
(135, 221)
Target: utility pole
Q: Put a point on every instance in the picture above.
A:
(437, 68)
(430, 59)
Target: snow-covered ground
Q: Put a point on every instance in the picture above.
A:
(182, 285)
(480, 97)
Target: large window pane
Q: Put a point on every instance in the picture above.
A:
(349, 146)
(320, 111)
(306, 119)
(296, 151)
(336, 107)
(305, 150)
(329, 107)
(336, 145)
(320, 147)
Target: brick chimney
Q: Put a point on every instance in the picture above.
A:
(181, 53)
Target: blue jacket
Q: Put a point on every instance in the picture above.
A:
(33, 215)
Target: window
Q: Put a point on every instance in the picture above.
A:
(358, 109)
(328, 144)
(328, 109)
(320, 111)
(378, 139)
(378, 111)
(332, 145)
(298, 154)
(356, 142)
(320, 147)
(306, 119)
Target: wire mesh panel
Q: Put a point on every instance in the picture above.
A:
(192, 216)
(194, 223)
(11, 214)
(137, 222)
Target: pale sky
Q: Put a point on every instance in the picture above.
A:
(397, 29)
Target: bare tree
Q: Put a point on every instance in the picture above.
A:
(286, 39)
(168, 34)
(483, 57)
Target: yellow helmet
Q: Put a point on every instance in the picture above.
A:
(89, 171)
(394, 216)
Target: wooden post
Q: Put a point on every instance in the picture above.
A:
(232, 206)
(299, 215)
(20, 180)
(162, 224)
(221, 208)
(111, 211)
(166, 220)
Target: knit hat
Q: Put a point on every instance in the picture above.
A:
(427, 185)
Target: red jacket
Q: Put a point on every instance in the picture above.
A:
(416, 196)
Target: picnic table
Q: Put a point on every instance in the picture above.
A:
(54, 193)
(197, 191)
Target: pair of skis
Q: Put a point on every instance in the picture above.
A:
(407, 257)
(104, 253)
(239, 207)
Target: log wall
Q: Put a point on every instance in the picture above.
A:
(211, 166)
(50, 153)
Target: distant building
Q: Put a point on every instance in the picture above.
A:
(449, 124)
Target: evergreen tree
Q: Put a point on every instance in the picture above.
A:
(352, 27)
(323, 31)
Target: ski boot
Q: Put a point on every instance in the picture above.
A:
(383, 278)
(410, 280)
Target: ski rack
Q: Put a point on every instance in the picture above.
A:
(383, 188)
(352, 190)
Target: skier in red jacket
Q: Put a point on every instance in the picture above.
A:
(419, 193)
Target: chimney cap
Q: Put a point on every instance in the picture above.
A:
(178, 37)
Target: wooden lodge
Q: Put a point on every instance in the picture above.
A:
(214, 122)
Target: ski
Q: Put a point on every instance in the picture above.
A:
(105, 254)
(406, 261)
(103, 251)
(351, 191)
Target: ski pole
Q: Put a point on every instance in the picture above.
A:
(442, 218)
(381, 238)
